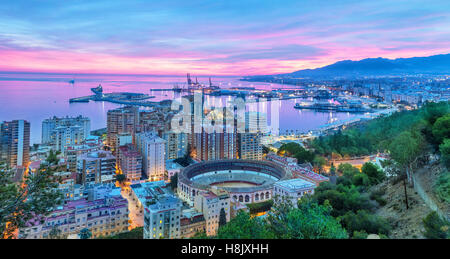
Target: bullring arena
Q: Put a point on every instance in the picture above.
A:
(247, 181)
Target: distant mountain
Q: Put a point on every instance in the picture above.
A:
(438, 64)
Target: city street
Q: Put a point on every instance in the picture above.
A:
(136, 218)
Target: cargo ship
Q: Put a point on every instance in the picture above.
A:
(327, 106)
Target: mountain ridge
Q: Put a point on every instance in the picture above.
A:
(436, 64)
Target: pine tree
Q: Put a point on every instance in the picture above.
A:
(31, 199)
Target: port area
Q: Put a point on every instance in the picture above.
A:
(120, 98)
(334, 107)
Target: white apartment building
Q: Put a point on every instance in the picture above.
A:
(162, 210)
(50, 125)
(292, 189)
(104, 213)
(67, 136)
(210, 204)
(152, 149)
(162, 218)
(123, 139)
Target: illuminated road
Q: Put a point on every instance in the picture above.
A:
(135, 216)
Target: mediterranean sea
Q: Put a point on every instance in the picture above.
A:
(36, 96)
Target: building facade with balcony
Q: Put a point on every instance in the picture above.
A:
(96, 167)
(103, 213)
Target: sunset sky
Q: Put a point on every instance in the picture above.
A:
(214, 37)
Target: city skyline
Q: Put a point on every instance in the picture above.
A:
(216, 38)
(248, 120)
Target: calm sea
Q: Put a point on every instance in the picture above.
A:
(35, 97)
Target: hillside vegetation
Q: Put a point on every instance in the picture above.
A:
(365, 201)
(378, 134)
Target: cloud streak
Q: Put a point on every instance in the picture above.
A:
(214, 37)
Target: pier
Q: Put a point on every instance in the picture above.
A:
(119, 98)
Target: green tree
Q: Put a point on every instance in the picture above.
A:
(244, 227)
(360, 180)
(201, 235)
(319, 162)
(359, 235)
(441, 128)
(442, 186)
(432, 111)
(444, 148)
(304, 156)
(278, 215)
(364, 221)
(342, 198)
(28, 201)
(373, 172)
(85, 233)
(347, 170)
(55, 233)
(308, 221)
(290, 148)
(174, 181)
(222, 217)
(135, 233)
(260, 206)
(404, 150)
(435, 227)
(52, 158)
(332, 169)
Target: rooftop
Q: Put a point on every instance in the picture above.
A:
(171, 164)
(295, 184)
(97, 155)
(149, 190)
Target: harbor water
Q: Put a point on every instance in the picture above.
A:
(35, 97)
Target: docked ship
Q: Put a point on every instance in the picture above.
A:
(320, 106)
(97, 90)
(323, 95)
(327, 106)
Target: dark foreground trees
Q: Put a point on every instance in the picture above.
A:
(309, 221)
(85, 233)
(135, 233)
(26, 202)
